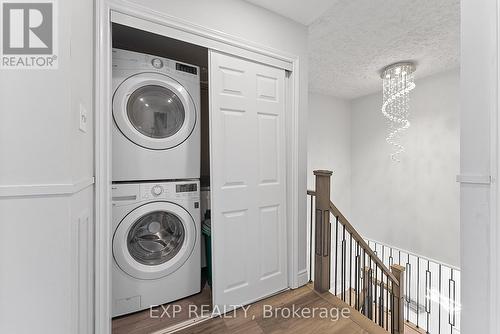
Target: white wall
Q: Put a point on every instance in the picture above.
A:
(413, 204)
(257, 25)
(404, 204)
(479, 156)
(42, 148)
(44, 230)
(329, 146)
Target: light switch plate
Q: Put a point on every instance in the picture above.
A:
(84, 217)
(84, 119)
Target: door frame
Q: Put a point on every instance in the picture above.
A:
(212, 39)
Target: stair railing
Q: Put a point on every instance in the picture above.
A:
(360, 278)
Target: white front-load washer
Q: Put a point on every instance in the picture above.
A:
(156, 113)
(156, 244)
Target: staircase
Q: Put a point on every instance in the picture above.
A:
(398, 291)
(361, 279)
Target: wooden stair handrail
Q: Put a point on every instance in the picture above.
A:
(343, 220)
(324, 209)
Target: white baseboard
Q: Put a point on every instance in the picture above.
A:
(302, 278)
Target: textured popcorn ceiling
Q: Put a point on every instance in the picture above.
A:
(354, 39)
(302, 11)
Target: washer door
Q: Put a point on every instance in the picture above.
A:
(154, 240)
(154, 111)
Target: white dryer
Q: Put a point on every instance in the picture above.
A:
(156, 244)
(156, 112)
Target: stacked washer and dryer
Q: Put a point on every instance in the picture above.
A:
(156, 189)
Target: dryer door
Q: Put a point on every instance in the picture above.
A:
(154, 111)
(154, 240)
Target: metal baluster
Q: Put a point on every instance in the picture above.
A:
(367, 294)
(381, 287)
(365, 279)
(350, 271)
(392, 307)
(343, 273)
(439, 312)
(375, 286)
(360, 254)
(428, 281)
(358, 276)
(381, 304)
(356, 273)
(360, 272)
(418, 289)
(311, 253)
(451, 302)
(382, 301)
(387, 302)
(336, 251)
(397, 305)
(370, 290)
(376, 295)
(408, 289)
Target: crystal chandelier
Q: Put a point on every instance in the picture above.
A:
(398, 82)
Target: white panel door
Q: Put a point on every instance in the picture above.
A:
(247, 138)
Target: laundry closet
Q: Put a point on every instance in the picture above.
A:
(198, 175)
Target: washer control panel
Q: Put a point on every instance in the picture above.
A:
(170, 190)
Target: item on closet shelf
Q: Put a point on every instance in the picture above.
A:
(204, 206)
(206, 229)
(204, 200)
(156, 112)
(156, 244)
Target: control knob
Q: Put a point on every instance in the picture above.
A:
(157, 63)
(157, 190)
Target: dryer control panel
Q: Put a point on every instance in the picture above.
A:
(129, 60)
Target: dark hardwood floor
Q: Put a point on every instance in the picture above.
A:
(256, 323)
(142, 322)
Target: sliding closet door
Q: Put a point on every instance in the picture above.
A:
(248, 180)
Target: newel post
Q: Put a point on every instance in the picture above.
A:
(398, 324)
(322, 227)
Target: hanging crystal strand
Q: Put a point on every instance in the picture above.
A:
(397, 84)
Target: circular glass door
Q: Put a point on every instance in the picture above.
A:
(154, 111)
(154, 240)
